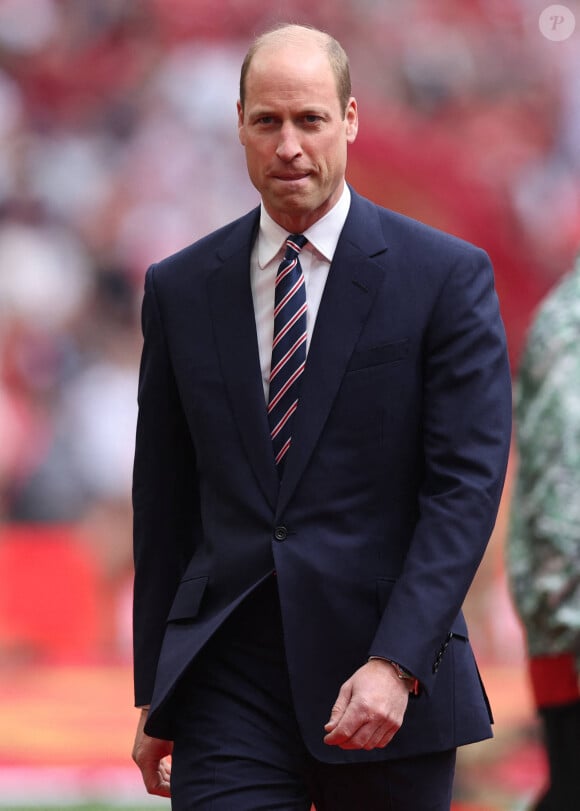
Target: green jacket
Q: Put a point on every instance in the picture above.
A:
(543, 551)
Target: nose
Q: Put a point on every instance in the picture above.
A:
(288, 143)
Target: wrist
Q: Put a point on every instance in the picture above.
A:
(404, 675)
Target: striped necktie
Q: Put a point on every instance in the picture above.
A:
(288, 348)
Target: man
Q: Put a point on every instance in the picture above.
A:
(300, 573)
(544, 538)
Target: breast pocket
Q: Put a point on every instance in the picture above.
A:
(375, 381)
(389, 353)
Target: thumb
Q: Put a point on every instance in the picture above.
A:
(340, 706)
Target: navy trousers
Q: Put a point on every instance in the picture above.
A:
(237, 746)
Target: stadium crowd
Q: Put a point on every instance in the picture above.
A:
(115, 151)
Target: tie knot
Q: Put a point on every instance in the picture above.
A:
(294, 244)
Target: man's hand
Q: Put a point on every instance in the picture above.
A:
(153, 756)
(369, 709)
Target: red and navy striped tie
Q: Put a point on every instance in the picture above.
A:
(288, 348)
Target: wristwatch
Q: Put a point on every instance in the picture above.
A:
(404, 675)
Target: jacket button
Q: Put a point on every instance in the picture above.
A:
(280, 533)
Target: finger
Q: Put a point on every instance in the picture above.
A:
(157, 778)
(161, 790)
(364, 733)
(158, 785)
(380, 737)
(346, 728)
(340, 707)
(372, 736)
(386, 739)
(366, 737)
(165, 770)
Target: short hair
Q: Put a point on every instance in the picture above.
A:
(335, 52)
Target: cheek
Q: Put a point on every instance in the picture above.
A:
(338, 161)
(257, 153)
(332, 156)
(256, 165)
(251, 157)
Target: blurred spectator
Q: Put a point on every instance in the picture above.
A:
(544, 541)
(44, 281)
(112, 120)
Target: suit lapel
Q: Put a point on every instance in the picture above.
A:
(353, 281)
(230, 298)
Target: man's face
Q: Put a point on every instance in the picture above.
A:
(294, 132)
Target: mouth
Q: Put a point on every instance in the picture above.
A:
(290, 177)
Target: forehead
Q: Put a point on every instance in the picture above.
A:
(290, 71)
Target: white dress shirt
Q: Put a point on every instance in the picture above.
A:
(315, 259)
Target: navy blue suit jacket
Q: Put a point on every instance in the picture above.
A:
(391, 485)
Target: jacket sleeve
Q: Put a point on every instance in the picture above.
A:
(165, 495)
(466, 438)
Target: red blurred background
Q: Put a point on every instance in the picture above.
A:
(119, 145)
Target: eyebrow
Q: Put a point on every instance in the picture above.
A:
(261, 112)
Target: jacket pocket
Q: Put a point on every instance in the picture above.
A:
(187, 599)
(377, 355)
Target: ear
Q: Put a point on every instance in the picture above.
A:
(351, 118)
(241, 128)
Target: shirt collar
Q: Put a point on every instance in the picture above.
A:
(322, 236)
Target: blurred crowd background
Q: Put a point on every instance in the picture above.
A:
(118, 145)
